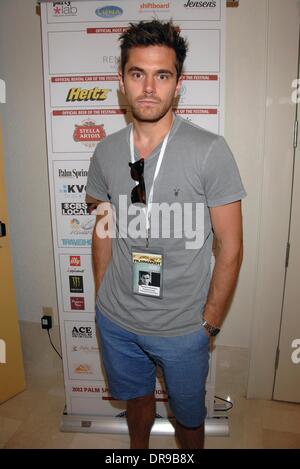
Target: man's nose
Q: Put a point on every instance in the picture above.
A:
(149, 84)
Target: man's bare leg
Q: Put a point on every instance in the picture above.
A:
(140, 418)
(190, 438)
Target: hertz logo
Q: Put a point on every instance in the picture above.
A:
(81, 94)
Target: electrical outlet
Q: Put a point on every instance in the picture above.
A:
(46, 322)
(47, 311)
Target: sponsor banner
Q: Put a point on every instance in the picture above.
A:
(90, 398)
(129, 10)
(95, 54)
(76, 131)
(182, 10)
(203, 56)
(86, 404)
(209, 119)
(94, 91)
(83, 105)
(77, 286)
(82, 351)
(73, 220)
(203, 89)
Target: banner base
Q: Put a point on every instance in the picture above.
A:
(162, 426)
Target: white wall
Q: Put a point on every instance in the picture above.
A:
(26, 162)
(282, 69)
(244, 130)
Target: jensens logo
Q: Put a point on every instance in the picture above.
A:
(191, 4)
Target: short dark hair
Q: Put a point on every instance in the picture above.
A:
(144, 272)
(154, 33)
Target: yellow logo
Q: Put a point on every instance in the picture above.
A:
(81, 94)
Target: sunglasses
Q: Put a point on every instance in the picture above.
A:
(138, 193)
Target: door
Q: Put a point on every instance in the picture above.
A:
(287, 372)
(11, 362)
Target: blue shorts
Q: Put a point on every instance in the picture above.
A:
(130, 363)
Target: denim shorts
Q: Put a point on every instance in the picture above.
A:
(130, 363)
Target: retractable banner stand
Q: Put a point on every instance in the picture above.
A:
(83, 105)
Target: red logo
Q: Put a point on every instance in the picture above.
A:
(75, 261)
(77, 303)
(89, 133)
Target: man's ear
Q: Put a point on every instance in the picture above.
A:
(178, 86)
(121, 82)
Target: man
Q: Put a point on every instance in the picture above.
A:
(145, 278)
(190, 172)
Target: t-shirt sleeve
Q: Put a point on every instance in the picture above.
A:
(96, 185)
(221, 177)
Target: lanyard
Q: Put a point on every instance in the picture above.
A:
(147, 210)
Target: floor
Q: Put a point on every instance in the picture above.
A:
(31, 420)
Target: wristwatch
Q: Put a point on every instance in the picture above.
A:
(212, 330)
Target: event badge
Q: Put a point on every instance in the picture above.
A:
(147, 271)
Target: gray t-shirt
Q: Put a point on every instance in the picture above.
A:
(198, 171)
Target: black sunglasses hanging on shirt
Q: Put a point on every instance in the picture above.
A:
(138, 193)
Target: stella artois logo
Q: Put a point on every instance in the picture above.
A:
(89, 133)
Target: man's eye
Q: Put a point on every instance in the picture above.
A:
(163, 76)
(137, 75)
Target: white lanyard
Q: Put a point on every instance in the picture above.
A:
(147, 210)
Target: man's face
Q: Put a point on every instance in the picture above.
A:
(150, 82)
(145, 279)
